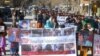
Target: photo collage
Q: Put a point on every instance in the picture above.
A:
(40, 32)
(44, 49)
(85, 38)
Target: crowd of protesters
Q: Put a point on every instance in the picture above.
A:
(48, 19)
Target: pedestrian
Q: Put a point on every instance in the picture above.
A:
(21, 15)
(7, 12)
(1, 44)
(39, 20)
(45, 18)
(89, 27)
(99, 25)
(3, 34)
(78, 23)
(13, 39)
(13, 18)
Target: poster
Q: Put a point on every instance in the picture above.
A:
(27, 24)
(2, 29)
(49, 42)
(85, 38)
(96, 46)
(24, 24)
(61, 20)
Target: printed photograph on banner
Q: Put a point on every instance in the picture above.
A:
(33, 24)
(85, 38)
(69, 46)
(37, 48)
(2, 29)
(26, 40)
(56, 32)
(26, 47)
(24, 24)
(48, 48)
(59, 47)
(47, 32)
(68, 31)
(37, 32)
(26, 33)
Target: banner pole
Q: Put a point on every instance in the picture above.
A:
(81, 51)
(85, 52)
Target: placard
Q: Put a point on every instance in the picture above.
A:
(96, 46)
(61, 20)
(24, 24)
(2, 29)
(85, 38)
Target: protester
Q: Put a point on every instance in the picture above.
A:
(99, 25)
(7, 13)
(78, 23)
(50, 23)
(39, 20)
(13, 38)
(89, 27)
(1, 13)
(21, 15)
(45, 18)
(14, 18)
(2, 35)
(1, 44)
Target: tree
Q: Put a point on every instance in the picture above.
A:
(1, 2)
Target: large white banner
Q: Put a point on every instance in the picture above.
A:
(96, 46)
(49, 42)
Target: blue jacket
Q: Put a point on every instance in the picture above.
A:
(11, 38)
(49, 24)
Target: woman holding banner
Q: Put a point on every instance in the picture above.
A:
(13, 38)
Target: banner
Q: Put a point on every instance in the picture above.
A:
(96, 46)
(49, 42)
